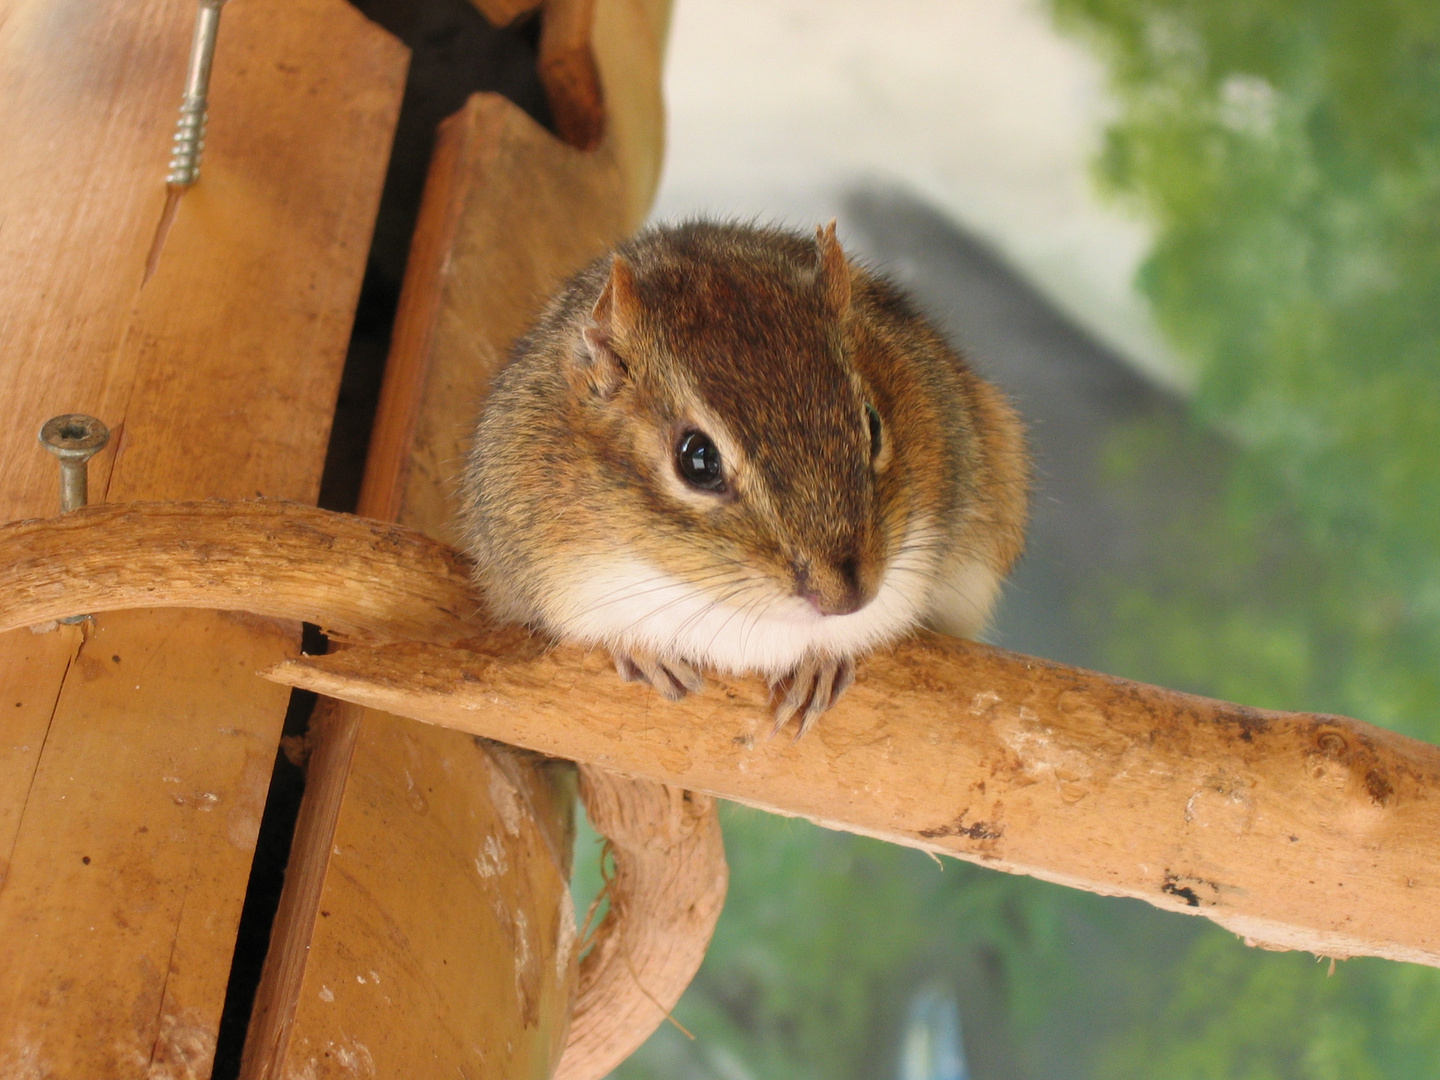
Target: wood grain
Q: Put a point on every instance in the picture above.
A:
(444, 865)
(429, 874)
(128, 872)
(475, 281)
(569, 73)
(332, 734)
(217, 377)
(481, 939)
(371, 580)
(1296, 831)
(433, 938)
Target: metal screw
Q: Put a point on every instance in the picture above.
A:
(190, 128)
(74, 439)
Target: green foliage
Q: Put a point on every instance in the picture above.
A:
(1288, 154)
(823, 937)
(1233, 1017)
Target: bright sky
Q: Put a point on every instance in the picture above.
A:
(978, 106)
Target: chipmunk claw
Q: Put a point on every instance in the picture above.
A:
(809, 690)
(673, 679)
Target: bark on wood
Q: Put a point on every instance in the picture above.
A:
(217, 376)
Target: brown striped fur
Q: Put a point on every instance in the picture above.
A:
(771, 343)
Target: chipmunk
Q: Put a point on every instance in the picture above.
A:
(730, 447)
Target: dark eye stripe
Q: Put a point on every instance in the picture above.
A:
(698, 461)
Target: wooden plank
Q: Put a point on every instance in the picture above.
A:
(475, 282)
(446, 871)
(1295, 830)
(217, 376)
(569, 74)
(128, 870)
(62, 311)
(332, 738)
(434, 933)
(27, 700)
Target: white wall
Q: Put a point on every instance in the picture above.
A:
(978, 106)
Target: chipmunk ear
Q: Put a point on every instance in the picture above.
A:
(601, 363)
(832, 269)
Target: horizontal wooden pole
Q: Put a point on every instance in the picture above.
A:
(1296, 831)
(356, 578)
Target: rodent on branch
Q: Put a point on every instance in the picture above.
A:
(730, 447)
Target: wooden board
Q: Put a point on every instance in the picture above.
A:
(442, 864)
(431, 932)
(475, 281)
(128, 872)
(217, 376)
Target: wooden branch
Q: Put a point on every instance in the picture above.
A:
(356, 578)
(1296, 831)
(665, 898)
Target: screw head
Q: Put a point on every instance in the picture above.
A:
(74, 436)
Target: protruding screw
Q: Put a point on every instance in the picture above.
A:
(74, 439)
(190, 128)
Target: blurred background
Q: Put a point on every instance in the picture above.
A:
(1199, 245)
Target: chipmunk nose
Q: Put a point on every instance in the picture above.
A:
(841, 588)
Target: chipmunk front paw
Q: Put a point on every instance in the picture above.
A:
(810, 689)
(672, 678)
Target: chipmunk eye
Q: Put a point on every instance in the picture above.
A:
(698, 460)
(876, 432)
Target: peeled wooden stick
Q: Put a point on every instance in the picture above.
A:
(665, 897)
(354, 577)
(1295, 830)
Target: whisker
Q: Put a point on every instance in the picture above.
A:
(658, 583)
(760, 598)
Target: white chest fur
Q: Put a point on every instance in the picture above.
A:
(627, 604)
